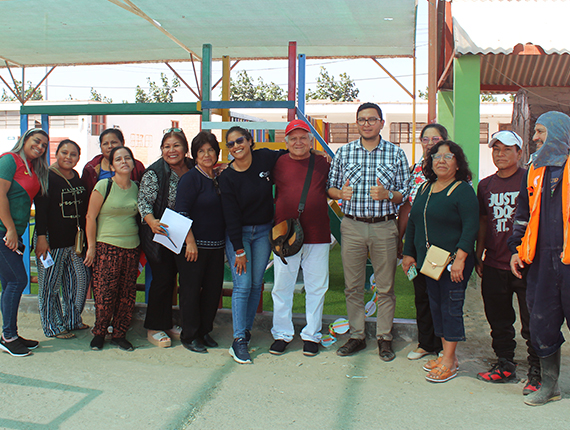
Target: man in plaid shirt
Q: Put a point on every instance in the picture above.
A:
(370, 175)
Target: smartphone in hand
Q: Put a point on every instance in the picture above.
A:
(412, 272)
(21, 247)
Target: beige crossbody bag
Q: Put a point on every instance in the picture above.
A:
(437, 258)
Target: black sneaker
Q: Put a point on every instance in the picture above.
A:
(97, 343)
(310, 349)
(502, 371)
(123, 344)
(278, 347)
(15, 348)
(30, 344)
(534, 381)
(239, 351)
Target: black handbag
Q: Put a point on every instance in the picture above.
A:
(287, 237)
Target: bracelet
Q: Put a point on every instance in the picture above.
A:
(241, 254)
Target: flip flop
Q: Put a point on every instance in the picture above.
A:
(174, 332)
(65, 335)
(159, 338)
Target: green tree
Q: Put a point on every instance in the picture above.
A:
(244, 88)
(423, 95)
(336, 91)
(8, 97)
(157, 94)
(96, 96)
(488, 98)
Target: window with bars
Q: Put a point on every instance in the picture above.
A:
(98, 124)
(401, 132)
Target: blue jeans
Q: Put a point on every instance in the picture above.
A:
(446, 300)
(247, 286)
(14, 279)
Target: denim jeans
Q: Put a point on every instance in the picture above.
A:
(14, 279)
(247, 286)
(446, 300)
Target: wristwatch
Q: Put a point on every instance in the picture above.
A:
(390, 195)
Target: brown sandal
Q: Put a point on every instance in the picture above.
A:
(65, 335)
(442, 373)
(82, 326)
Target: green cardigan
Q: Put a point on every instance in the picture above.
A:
(453, 221)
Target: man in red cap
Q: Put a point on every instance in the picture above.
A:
(370, 175)
(289, 176)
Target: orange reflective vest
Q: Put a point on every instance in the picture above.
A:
(527, 248)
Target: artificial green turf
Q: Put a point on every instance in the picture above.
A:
(334, 300)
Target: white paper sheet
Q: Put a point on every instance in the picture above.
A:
(48, 261)
(178, 227)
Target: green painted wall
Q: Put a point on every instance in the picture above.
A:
(466, 91)
(445, 111)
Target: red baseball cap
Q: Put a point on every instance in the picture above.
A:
(297, 124)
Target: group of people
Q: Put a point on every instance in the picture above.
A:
(428, 215)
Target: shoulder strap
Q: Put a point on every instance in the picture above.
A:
(307, 184)
(108, 191)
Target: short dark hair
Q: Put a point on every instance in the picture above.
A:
(115, 149)
(201, 139)
(65, 142)
(369, 105)
(180, 135)
(463, 173)
(114, 131)
(440, 129)
(245, 133)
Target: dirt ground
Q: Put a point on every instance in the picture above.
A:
(65, 385)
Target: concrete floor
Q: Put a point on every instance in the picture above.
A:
(65, 385)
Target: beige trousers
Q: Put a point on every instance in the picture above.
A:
(381, 241)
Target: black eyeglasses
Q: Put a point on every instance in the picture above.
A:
(238, 141)
(170, 130)
(372, 120)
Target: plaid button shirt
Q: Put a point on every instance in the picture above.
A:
(361, 168)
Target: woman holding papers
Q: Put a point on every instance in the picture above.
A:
(113, 250)
(23, 174)
(201, 262)
(60, 217)
(158, 192)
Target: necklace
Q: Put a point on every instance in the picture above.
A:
(204, 173)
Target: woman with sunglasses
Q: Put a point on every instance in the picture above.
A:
(157, 192)
(113, 250)
(444, 215)
(99, 168)
(59, 216)
(23, 173)
(247, 198)
(201, 261)
(428, 343)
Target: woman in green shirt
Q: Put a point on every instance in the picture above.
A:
(445, 214)
(113, 250)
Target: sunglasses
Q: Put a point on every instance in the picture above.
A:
(238, 141)
(170, 130)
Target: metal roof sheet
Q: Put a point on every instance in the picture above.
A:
(64, 32)
(497, 26)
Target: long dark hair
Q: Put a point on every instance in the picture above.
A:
(40, 164)
(463, 173)
(440, 129)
